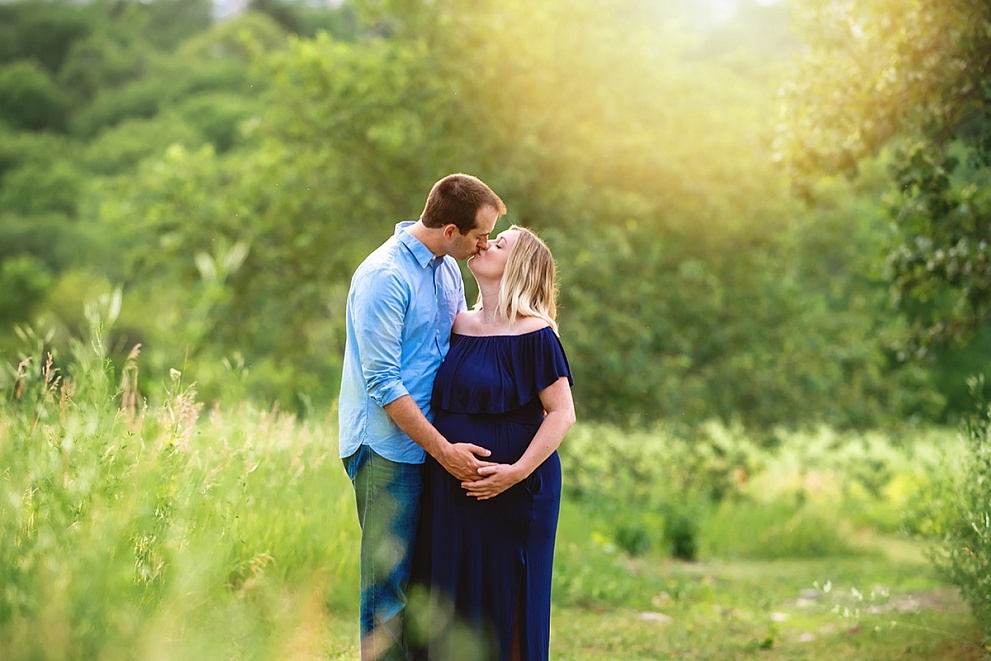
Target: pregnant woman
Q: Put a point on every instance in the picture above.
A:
(486, 547)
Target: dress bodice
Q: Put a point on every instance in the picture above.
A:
(496, 374)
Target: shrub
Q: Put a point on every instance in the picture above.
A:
(714, 490)
(654, 486)
(960, 518)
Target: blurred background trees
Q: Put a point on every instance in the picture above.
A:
(230, 175)
(911, 84)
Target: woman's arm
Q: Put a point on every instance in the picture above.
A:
(559, 415)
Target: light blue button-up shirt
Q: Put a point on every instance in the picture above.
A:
(400, 311)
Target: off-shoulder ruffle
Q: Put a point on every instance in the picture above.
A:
(498, 373)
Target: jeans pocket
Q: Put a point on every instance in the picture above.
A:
(354, 462)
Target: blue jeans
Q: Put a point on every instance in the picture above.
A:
(387, 495)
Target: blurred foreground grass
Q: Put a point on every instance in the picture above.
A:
(174, 532)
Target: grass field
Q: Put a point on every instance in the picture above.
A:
(178, 533)
(883, 603)
(773, 610)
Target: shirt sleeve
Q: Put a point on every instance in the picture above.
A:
(379, 318)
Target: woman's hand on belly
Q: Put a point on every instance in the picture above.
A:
(495, 479)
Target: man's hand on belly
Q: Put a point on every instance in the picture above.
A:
(461, 460)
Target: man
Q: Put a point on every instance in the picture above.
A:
(400, 310)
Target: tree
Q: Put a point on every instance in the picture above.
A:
(43, 32)
(100, 62)
(164, 23)
(915, 77)
(29, 98)
(694, 287)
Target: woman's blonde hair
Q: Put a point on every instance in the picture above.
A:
(529, 287)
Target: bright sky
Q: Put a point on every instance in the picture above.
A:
(723, 10)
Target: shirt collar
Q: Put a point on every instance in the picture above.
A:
(420, 252)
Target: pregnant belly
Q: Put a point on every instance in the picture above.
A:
(506, 439)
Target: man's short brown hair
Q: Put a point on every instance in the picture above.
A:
(456, 199)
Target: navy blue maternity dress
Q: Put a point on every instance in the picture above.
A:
(488, 557)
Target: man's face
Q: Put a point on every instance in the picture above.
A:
(463, 246)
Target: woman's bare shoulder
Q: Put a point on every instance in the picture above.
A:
(530, 324)
(465, 323)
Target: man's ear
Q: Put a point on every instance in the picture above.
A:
(450, 230)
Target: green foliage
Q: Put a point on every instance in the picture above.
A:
(716, 307)
(19, 148)
(681, 529)
(49, 238)
(164, 82)
(878, 73)
(43, 32)
(166, 527)
(125, 101)
(670, 477)
(873, 476)
(168, 23)
(141, 99)
(783, 316)
(114, 513)
(219, 117)
(36, 189)
(24, 281)
(29, 98)
(100, 62)
(240, 38)
(133, 140)
(282, 13)
(956, 516)
(896, 70)
(233, 266)
(718, 491)
(65, 318)
(779, 529)
(341, 23)
(639, 150)
(939, 268)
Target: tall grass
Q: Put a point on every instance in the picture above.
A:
(129, 531)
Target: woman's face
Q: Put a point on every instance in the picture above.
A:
(491, 262)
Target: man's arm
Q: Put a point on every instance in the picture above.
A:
(458, 459)
(378, 322)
